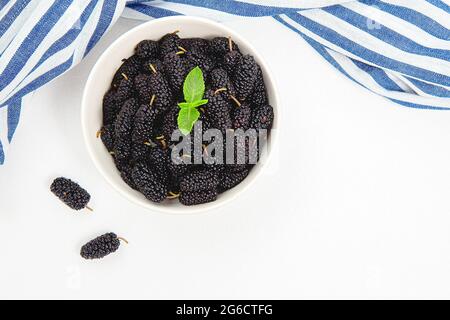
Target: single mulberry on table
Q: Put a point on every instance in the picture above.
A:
(71, 193)
(101, 246)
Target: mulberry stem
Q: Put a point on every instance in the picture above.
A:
(173, 195)
(153, 99)
(152, 67)
(230, 43)
(89, 208)
(182, 49)
(220, 90)
(123, 239)
(125, 76)
(99, 133)
(235, 100)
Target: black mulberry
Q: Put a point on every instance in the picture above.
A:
(139, 151)
(196, 198)
(142, 87)
(169, 123)
(262, 118)
(149, 183)
(129, 69)
(199, 181)
(147, 49)
(177, 167)
(70, 193)
(242, 116)
(144, 122)
(122, 148)
(197, 59)
(123, 129)
(220, 46)
(124, 90)
(125, 170)
(159, 161)
(110, 107)
(125, 119)
(169, 44)
(160, 88)
(232, 60)
(259, 95)
(108, 137)
(219, 79)
(195, 44)
(217, 111)
(245, 77)
(153, 66)
(101, 246)
(231, 180)
(176, 71)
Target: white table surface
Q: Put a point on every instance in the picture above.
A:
(356, 206)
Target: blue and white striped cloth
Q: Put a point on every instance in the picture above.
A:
(399, 49)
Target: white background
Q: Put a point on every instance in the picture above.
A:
(357, 205)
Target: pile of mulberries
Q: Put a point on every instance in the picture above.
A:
(140, 113)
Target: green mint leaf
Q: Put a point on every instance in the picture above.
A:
(194, 85)
(184, 105)
(186, 119)
(195, 104)
(200, 103)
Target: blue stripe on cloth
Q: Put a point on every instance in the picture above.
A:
(40, 81)
(430, 89)
(378, 75)
(108, 10)
(33, 40)
(369, 55)
(440, 4)
(152, 11)
(237, 8)
(418, 19)
(2, 154)
(317, 46)
(418, 106)
(13, 117)
(386, 34)
(3, 4)
(70, 36)
(12, 14)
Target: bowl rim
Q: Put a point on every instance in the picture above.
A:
(238, 190)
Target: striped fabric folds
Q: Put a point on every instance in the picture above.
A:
(399, 49)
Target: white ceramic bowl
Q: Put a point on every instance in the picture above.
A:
(99, 82)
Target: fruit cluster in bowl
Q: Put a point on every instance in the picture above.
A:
(186, 118)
